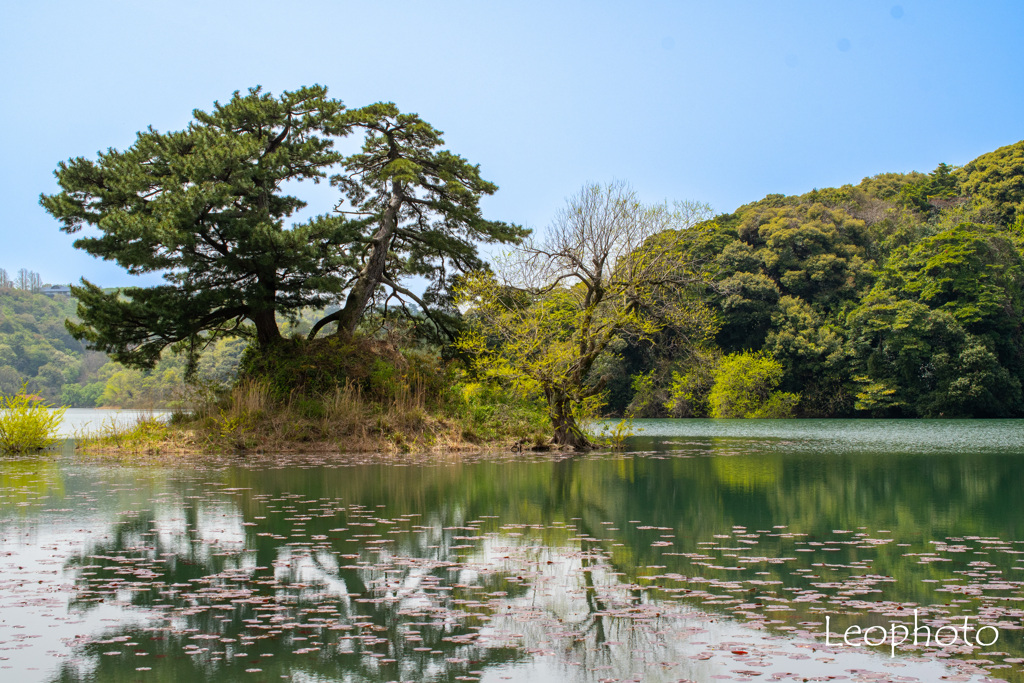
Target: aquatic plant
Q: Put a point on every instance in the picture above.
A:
(27, 424)
(615, 435)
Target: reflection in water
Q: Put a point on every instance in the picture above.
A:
(702, 561)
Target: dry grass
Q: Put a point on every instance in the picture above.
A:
(343, 421)
(145, 435)
(395, 404)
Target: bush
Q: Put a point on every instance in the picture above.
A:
(745, 387)
(317, 367)
(490, 411)
(779, 406)
(690, 391)
(27, 424)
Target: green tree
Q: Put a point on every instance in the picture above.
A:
(999, 178)
(421, 206)
(206, 207)
(691, 384)
(785, 272)
(940, 333)
(745, 387)
(598, 272)
(10, 380)
(932, 192)
(780, 247)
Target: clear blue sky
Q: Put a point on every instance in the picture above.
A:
(720, 101)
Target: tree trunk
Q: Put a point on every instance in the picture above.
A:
(371, 274)
(567, 432)
(267, 332)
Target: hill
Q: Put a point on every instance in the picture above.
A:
(899, 296)
(36, 351)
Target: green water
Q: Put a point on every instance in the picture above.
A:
(707, 550)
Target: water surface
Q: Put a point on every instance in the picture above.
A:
(710, 550)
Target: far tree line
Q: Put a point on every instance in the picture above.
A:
(24, 279)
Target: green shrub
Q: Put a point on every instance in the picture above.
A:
(490, 411)
(779, 406)
(615, 435)
(745, 387)
(27, 424)
(690, 390)
(309, 408)
(383, 381)
(316, 368)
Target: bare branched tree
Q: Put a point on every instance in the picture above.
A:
(28, 280)
(607, 265)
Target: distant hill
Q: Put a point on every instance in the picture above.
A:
(36, 351)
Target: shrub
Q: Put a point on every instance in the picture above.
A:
(27, 424)
(690, 391)
(745, 387)
(317, 367)
(490, 411)
(779, 406)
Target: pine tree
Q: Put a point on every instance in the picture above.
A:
(206, 208)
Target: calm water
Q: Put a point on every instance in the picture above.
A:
(710, 550)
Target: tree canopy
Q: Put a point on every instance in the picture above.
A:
(899, 296)
(608, 265)
(421, 204)
(207, 207)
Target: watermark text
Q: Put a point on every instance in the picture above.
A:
(896, 635)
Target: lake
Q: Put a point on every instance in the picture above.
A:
(706, 550)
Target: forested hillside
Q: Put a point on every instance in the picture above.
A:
(34, 345)
(900, 296)
(36, 351)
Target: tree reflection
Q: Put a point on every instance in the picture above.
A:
(430, 573)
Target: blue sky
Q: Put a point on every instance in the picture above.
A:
(722, 101)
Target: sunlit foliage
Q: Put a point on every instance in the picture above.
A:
(608, 266)
(27, 424)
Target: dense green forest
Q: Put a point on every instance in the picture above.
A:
(899, 296)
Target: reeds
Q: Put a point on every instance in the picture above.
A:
(143, 435)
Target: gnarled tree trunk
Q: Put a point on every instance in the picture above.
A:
(370, 276)
(567, 433)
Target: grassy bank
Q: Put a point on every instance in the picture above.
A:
(335, 396)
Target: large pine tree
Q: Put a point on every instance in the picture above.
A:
(207, 207)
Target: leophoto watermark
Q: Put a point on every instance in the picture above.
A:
(948, 635)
